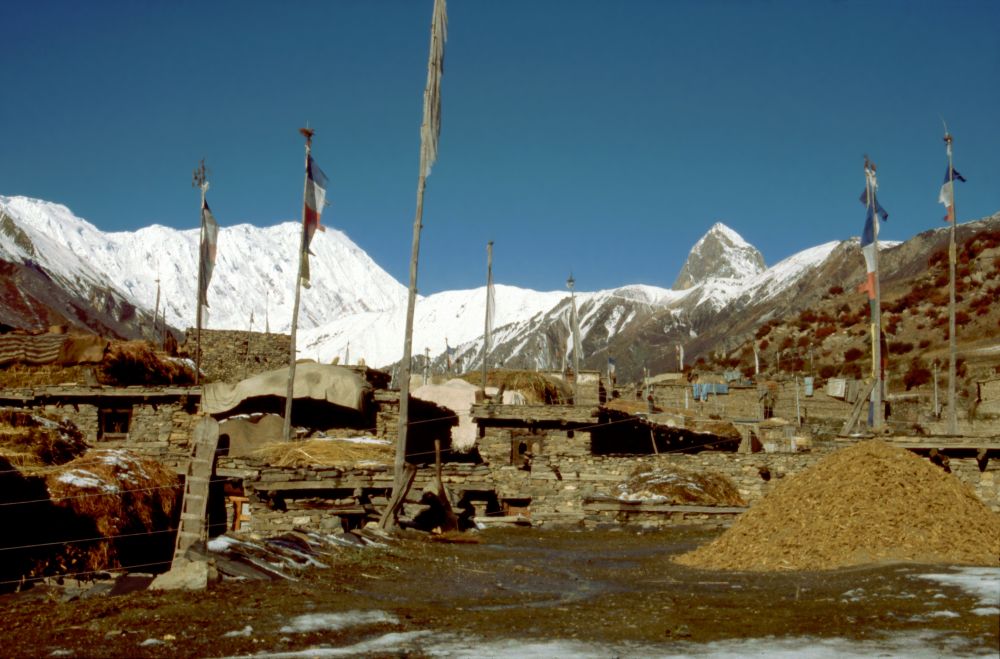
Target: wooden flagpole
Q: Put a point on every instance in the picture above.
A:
(576, 340)
(156, 309)
(487, 329)
(286, 431)
(430, 130)
(200, 181)
(952, 257)
(878, 411)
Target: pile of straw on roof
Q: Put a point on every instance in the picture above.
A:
(868, 503)
(138, 363)
(30, 441)
(326, 452)
(537, 388)
(671, 484)
(113, 493)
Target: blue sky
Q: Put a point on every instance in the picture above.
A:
(602, 138)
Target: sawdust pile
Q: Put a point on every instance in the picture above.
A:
(678, 486)
(869, 503)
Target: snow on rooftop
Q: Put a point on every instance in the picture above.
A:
(85, 480)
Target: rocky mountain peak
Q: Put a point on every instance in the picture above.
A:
(719, 254)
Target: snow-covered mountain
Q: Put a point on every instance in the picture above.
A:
(356, 309)
(720, 254)
(254, 268)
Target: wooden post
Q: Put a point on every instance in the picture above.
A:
(286, 431)
(798, 412)
(430, 130)
(156, 308)
(937, 407)
(576, 340)
(246, 359)
(488, 320)
(952, 257)
(878, 416)
(200, 181)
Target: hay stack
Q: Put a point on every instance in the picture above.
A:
(137, 363)
(869, 503)
(326, 452)
(30, 441)
(538, 389)
(678, 486)
(115, 493)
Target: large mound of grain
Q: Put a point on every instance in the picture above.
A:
(865, 504)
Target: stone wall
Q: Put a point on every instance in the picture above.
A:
(224, 353)
(563, 474)
(324, 498)
(161, 431)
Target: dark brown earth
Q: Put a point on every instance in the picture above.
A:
(607, 588)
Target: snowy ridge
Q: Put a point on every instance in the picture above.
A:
(355, 310)
(254, 268)
(456, 316)
(787, 272)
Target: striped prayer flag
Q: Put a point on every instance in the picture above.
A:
(947, 194)
(208, 249)
(315, 199)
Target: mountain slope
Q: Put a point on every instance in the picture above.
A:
(254, 270)
(56, 268)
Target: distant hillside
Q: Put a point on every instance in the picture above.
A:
(56, 268)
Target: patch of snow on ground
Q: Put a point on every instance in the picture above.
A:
(923, 645)
(221, 543)
(314, 622)
(986, 611)
(983, 582)
(239, 633)
(379, 646)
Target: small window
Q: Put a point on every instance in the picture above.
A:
(114, 424)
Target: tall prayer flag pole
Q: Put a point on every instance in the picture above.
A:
(430, 130)
(200, 180)
(490, 303)
(870, 248)
(952, 257)
(576, 340)
(286, 431)
(156, 308)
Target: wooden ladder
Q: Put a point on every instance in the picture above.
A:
(196, 479)
(859, 404)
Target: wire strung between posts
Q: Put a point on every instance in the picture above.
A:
(96, 494)
(106, 538)
(124, 568)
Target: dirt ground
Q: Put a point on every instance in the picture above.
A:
(606, 588)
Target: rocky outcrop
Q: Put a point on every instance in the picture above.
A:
(720, 254)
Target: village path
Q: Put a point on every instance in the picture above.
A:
(528, 592)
